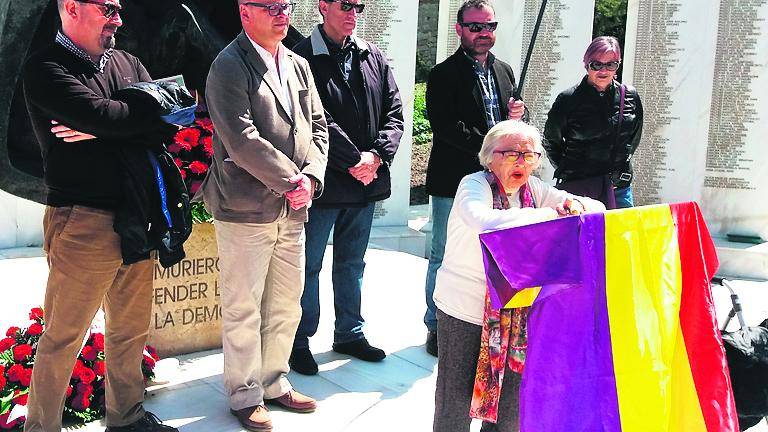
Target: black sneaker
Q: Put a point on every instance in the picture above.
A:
(360, 349)
(431, 344)
(301, 361)
(148, 423)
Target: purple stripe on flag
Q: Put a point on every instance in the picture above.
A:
(568, 382)
(510, 267)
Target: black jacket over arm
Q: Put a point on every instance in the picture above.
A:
(581, 135)
(457, 115)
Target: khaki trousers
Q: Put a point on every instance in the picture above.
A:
(262, 278)
(86, 271)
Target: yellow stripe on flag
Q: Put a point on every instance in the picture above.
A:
(643, 286)
(523, 298)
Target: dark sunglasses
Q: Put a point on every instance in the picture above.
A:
(610, 66)
(109, 11)
(274, 9)
(476, 27)
(348, 6)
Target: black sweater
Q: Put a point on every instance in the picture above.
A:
(60, 86)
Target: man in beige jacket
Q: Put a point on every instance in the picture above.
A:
(270, 153)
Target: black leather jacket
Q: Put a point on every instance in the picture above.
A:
(581, 135)
(145, 218)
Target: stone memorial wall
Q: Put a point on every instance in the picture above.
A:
(392, 26)
(701, 69)
(556, 65)
(186, 314)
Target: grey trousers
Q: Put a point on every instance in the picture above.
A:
(458, 343)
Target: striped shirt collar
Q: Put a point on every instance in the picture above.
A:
(67, 43)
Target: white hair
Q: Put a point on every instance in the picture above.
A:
(505, 129)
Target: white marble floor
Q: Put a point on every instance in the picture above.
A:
(354, 396)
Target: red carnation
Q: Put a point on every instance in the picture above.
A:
(15, 372)
(20, 374)
(81, 402)
(2, 380)
(149, 361)
(21, 352)
(198, 167)
(89, 353)
(86, 375)
(173, 148)
(187, 138)
(36, 314)
(207, 142)
(183, 173)
(205, 123)
(152, 352)
(69, 391)
(85, 390)
(178, 162)
(195, 186)
(12, 331)
(35, 329)
(76, 369)
(97, 340)
(21, 399)
(99, 368)
(6, 343)
(4, 424)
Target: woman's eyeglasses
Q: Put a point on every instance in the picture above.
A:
(109, 9)
(477, 27)
(514, 156)
(348, 6)
(610, 66)
(274, 9)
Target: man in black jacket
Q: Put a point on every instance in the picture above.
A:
(467, 94)
(82, 132)
(365, 123)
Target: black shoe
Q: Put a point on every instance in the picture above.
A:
(431, 344)
(360, 349)
(301, 361)
(148, 423)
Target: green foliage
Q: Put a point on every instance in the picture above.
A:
(422, 131)
(610, 19)
(200, 214)
(423, 66)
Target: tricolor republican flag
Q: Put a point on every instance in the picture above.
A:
(622, 334)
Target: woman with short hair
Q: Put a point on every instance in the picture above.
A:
(594, 128)
(469, 332)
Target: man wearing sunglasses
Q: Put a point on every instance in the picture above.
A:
(365, 123)
(68, 87)
(270, 152)
(467, 94)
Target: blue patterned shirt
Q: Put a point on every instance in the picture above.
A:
(488, 87)
(67, 43)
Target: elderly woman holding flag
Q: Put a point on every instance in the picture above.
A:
(482, 350)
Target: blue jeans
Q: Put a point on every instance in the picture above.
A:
(351, 231)
(624, 197)
(441, 208)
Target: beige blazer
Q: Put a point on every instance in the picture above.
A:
(257, 145)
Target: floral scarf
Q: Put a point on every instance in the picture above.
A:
(504, 340)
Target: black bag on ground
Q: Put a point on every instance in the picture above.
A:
(746, 351)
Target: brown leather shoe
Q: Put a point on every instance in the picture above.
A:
(295, 401)
(255, 418)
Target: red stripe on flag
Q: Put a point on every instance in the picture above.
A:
(703, 342)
